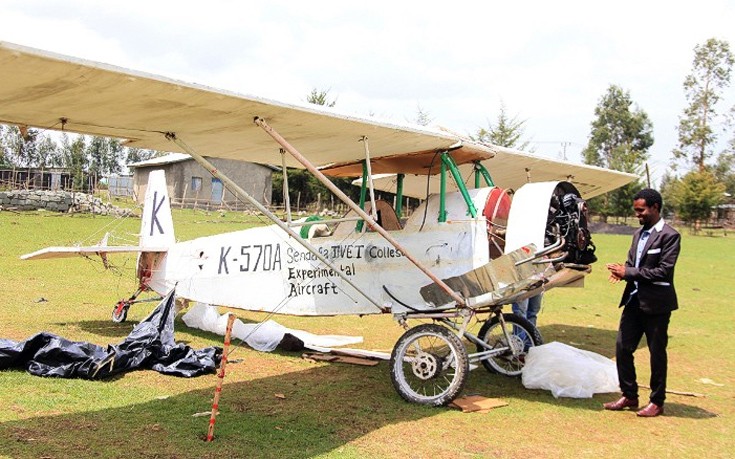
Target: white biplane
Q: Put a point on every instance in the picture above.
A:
(463, 254)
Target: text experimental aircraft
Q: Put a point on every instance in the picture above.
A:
(459, 257)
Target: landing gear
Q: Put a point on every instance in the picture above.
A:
(120, 311)
(429, 365)
(512, 337)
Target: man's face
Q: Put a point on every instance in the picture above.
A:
(647, 216)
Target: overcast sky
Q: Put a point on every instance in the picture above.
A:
(548, 62)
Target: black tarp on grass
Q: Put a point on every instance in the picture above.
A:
(150, 345)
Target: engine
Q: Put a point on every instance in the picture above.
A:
(566, 226)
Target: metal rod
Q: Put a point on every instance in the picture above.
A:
(373, 209)
(442, 192)
(242, 194)
(480, 169)
(399, 195)
(363, 193)
(286, 198)
(371, 223)
(452, 166)
(328, 222)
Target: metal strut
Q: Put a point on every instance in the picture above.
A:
(242, 194)
(368, 219)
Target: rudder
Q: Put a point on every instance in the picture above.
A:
(157, 226)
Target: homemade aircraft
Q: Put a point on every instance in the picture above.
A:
(459, 257)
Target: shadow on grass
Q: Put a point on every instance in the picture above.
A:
(323, 408)
(600, 341)
(106, 328)
(683, 410)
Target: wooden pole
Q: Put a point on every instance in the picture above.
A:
(183, 198)
(221, 377)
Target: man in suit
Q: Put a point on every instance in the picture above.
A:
(647, 302)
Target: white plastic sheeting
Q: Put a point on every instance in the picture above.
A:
(569, 372)
(263, 336)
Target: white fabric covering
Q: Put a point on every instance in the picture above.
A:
(569, 372)
(263, 336)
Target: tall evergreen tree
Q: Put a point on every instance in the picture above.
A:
(320, 97)
(620, 137)
(710, 76)
(506, 132)
(423, 117)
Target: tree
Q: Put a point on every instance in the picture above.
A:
(301, 181)
(506, 132)
(724, 171)
(696, 194)
(620, 137)
(47, 152)
(74, 158)
(6, 159)
(319, 97)
(621, 134)
(104, 156)
(423, 117)
(136, 155)
(710, 76)
(21, 145)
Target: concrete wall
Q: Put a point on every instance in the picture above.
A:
(253, 178)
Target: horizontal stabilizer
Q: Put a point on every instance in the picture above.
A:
(66, 252)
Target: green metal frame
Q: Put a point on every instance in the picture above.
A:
(399, 196)
(448, 163)
(480, 170)
(363, 195)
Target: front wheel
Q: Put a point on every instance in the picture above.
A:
(429, 365)
(120, 311)
(512, 338)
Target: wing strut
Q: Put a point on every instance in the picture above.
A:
(370, 221)
(242, 194)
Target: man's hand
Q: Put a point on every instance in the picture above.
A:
(617, 272)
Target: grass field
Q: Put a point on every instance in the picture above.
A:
(338, 410)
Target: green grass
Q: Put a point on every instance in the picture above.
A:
(336, 410)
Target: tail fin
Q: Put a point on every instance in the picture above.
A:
(157, 226)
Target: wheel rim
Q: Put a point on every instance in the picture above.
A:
(426, 366)
(120, 312)
(517, 343)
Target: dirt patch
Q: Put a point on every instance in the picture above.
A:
(609, 228)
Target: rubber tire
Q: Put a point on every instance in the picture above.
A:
(397, 365)
(512, 319)
(118, 319)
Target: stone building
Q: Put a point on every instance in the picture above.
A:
(190, 185)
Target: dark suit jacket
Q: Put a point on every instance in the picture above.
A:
(655, 275)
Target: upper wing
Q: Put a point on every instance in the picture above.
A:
(47, 90)
(509, 169)
(38, 88)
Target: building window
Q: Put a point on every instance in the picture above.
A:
(196, 183)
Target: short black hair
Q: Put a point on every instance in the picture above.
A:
(651, 197)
